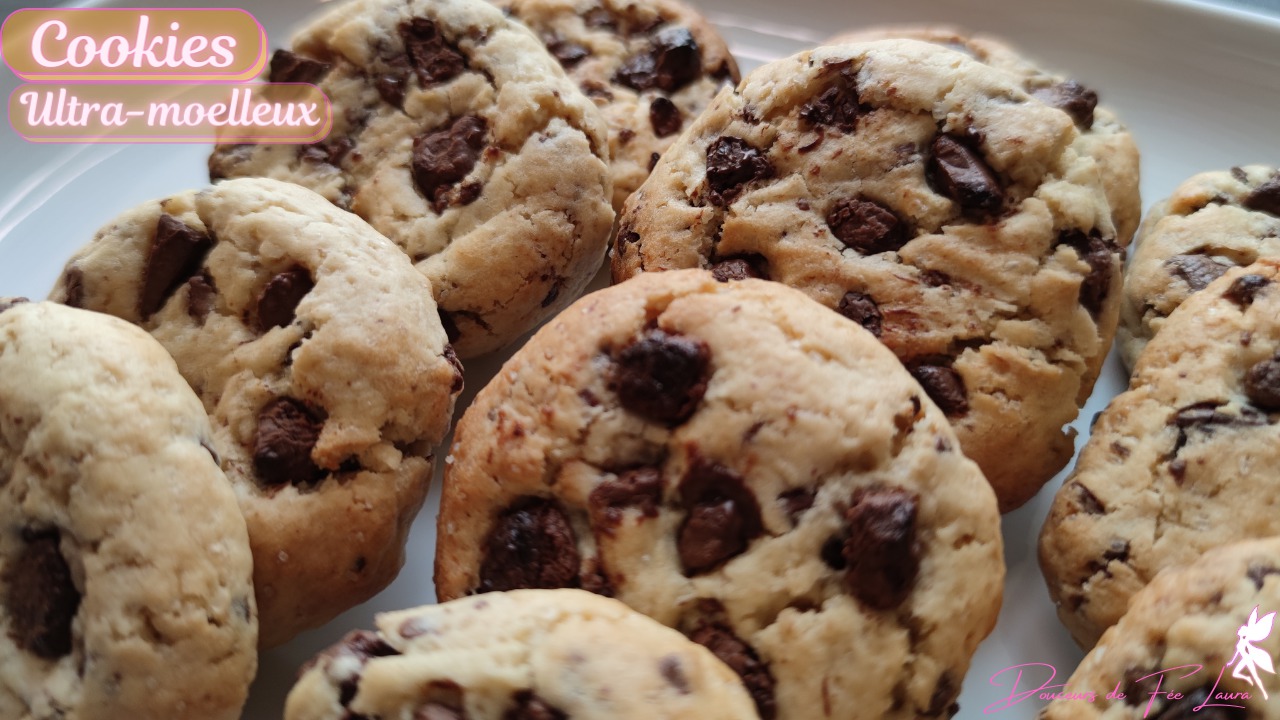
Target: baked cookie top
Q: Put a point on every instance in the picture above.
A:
(737, 462)
(926, 196)
(651, 68)
(1181, 632)
(1214, 221)
(459, 137)
(526, 655)
(1182, 462)
(320, 358)
(125, 573)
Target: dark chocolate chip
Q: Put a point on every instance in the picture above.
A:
(671, 61)
(287, 433)
(723, 517)
(200, 295)
(288, 67)
(531, 545)
(6, 303)
(366, 645)
(1088, 502)
(433, 58)
(740, 267)
(732, 163)
(866, 226)
(176, 253)
(1245, 289)
(1197, 271)
(568, 53)
(1072, 98)
(673, 672)
(833, 553)
(330, 152)
(1262, 384)
(280, 297)
(837, 106)
(531, 707)
(1207, 414)
(665, 117)
(640, 489)
(743, 660)
(944, 386)
(42, 600)
(960, 173)
(391, 88)
(862, 309)
(1258, 573)
(1099, 256)
(881, 551)
(443, 157)
(661, 376)
(1266, 197)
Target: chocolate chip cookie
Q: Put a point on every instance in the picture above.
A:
(1212, 222)
(125, 573)
(927, 197)
(737, 462)
(321, 361)
(457, 135)
(1187, 459)
(1179, 636)
(525, 655)
(1102, 136)
(651, 67)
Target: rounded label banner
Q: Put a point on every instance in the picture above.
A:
(90, 44)
(196, 113)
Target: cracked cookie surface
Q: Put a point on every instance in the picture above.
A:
(927, 197)
(459, 137)
(1185, 460)
(523, 655)
(737, 462)
(321, 361)
(1213, 222)
(125, 572)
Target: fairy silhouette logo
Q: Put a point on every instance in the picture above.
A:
(1248, 659)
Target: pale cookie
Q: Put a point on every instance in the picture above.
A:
(1212, 222)
(457, 135)
(525, 655)
(926, 196)
(1187, 459)
(739, 463)
(125, 573)
(1169, 654)
(321, 361)
(651, 68)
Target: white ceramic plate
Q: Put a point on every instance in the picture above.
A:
(1199, 86)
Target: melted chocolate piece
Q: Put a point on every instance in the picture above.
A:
(1245, 289)
(866, 226)
(531, 546)
(732, 163)
(661, 376)
(881, 552)
(640, 489)
(743, 660)
(442, 158)
(1197, 271)
(1072, 98)
(287, 433)
(279, 298)
(671, 61)
(862, 309)
(1266, 197)
(1262, 384)
(1097, 254)
(945, 387)
(434, 59)
(42, 601)
(723, 517)
(286, 67)
(740, 267)
(665, 117)
(960, 173)
(176, 254)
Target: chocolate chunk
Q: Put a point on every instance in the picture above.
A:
(366, 645)
(1072, 98)
(743, 660)
(1207, 414)
(531, 707)
(280, 297)
(1245, 289)
(1258, 574)
(391, 88)
(1089, 503)
(568, 53)
(287, 433)
(443, 157)
(661, 376)
(881, 551)
(434, 59)
(1098, 255)
(1262, 384)
(671, 61)
(732, 163)
(640, 489)
(531, 545)
(723, 517)
(960, 173)
(944, 386)
(837, 106)
(1197, 271)
(200, 295)
(176, 253)
(330, 152)
(866, 226)
(1266, 197)
(833, 553)
(862, 309)
(291, 68)
(42, 600)
(664, 116)
(6, 303)
(673, 672)
(740, 267)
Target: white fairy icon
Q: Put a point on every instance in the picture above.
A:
(1251, 658)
